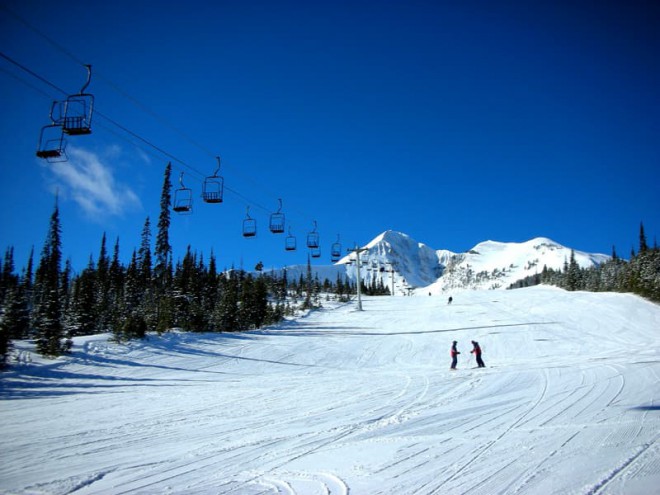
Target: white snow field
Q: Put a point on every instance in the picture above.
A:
(341, 401)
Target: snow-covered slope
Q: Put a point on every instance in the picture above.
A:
(412, 264)
(342, 401)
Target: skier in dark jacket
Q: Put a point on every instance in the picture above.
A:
(454, 355)
(476, 350)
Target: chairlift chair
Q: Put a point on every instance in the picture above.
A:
(335, 251)
(290, 242)
(249, 225)
(277, 220)
(52, 145)
(213, 187)
(313, 238)
(182, 203)
(316, 252)
(77, 110)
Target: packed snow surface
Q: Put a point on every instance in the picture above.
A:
(342, 401)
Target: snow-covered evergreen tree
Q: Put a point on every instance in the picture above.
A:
(163, 250)
(47, 314)
(226, 311)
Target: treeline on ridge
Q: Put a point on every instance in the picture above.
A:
(51, 304)
(640, 275)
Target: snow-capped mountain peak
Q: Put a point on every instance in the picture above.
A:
(416, 262)
(397, 260)
(494, 265)
(488, 265)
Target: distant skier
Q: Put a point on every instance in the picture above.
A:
(476, 350)
(454, 355)
(450, 300)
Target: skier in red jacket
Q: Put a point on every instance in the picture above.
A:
(476, 350)
(454, 355)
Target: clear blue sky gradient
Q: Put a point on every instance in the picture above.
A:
(454, 122)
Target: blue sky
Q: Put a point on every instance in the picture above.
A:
(453, 122)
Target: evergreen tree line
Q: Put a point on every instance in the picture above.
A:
(640, 275)
(375, 286)
(51, 304)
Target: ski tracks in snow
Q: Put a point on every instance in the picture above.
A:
(304, 483)
(351, 403)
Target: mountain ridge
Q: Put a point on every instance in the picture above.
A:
(401, 262)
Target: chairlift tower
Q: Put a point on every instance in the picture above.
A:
(392, 272)
(357, 252)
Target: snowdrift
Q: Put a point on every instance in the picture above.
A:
(343, 402)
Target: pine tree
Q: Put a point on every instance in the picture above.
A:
(259, 301)
(27, 280)
(65, 285)
(308, 285)
(163, 267)
(8, 280)
(18, 311)
(82, 314)
(208, 288)
(13, 307)
(116, 273)
(643, 246)
(5, 343)
(163, 249)
(339, 286)
(5, 330)
(102, 310)
(245, 306)
(144, 256)
(103, 264)
(47, 311)
(225, 315)
(133, 287)
(573, 274)
(130, 321)
(284, 286)
(184, 293)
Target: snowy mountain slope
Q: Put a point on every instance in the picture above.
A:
(342, 401)
(494, 265)
(415, 261)
(488, 265)
(415, 264)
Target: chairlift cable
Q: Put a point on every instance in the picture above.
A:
(112, 84)
(32, 73)
(100, 114)
(135, 135)
(141, 106)
(43, 35)
(136, 102)
(27, 83)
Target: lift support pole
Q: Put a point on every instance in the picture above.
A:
(391, 271)
(357, 252)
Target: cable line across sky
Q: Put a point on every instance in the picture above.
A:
(183, 197)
